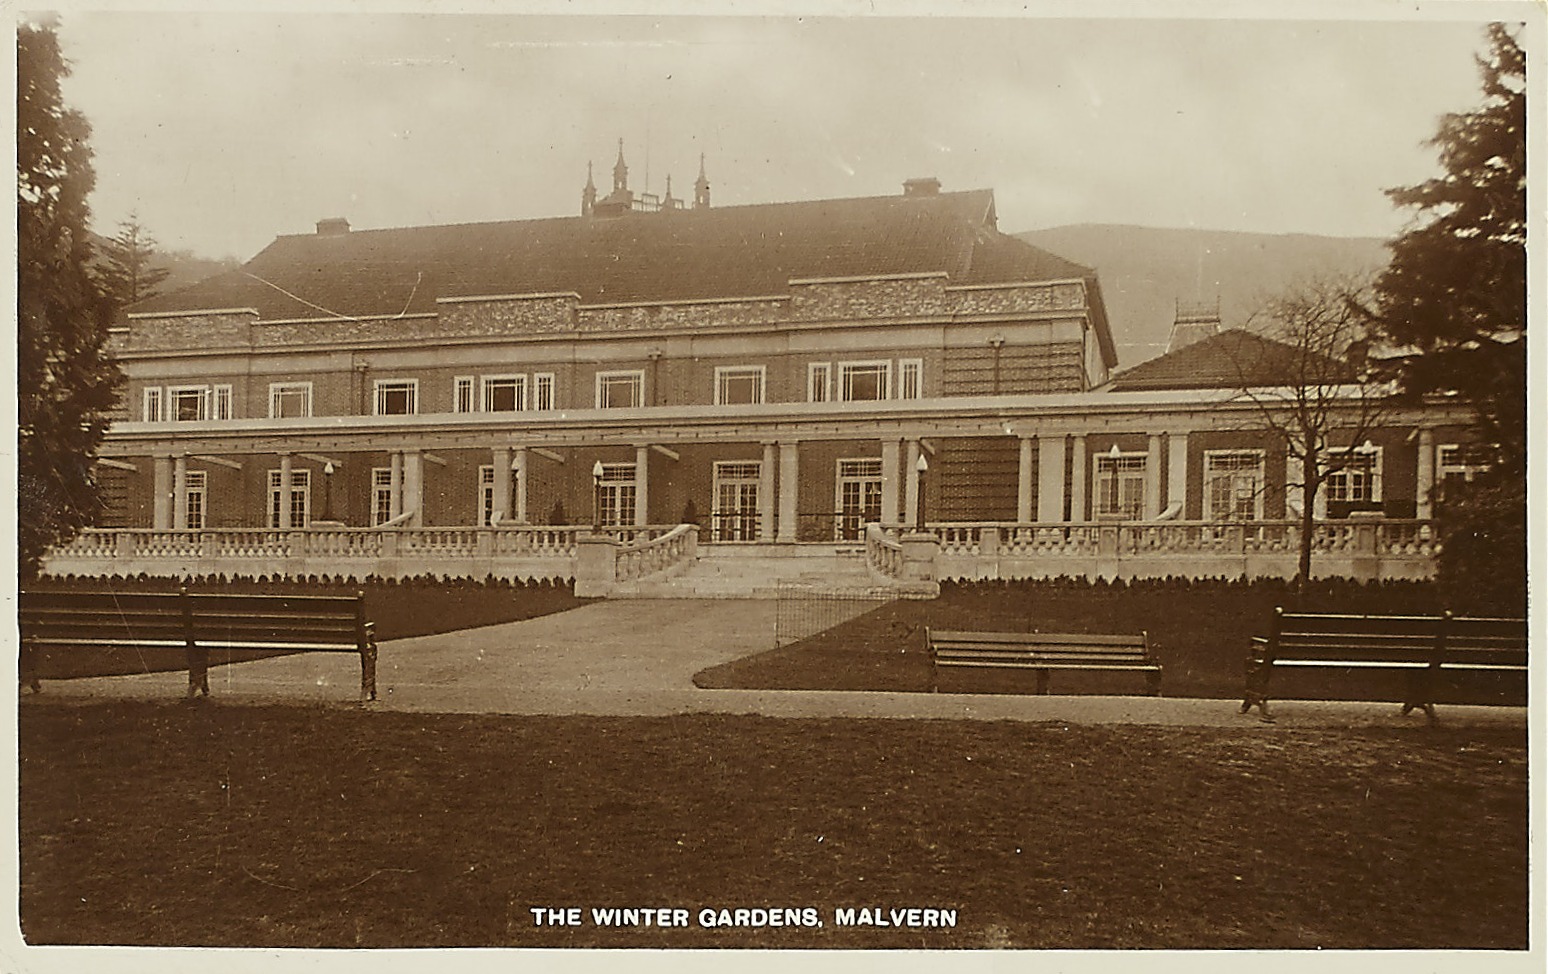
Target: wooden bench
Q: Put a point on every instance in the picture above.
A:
(1042, 652)
(1426, 647)
(196, 623)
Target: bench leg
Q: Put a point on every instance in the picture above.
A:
(1042, 682)
(27, 664)
(368, 672)
(198, 672)
(1153, 683)
(1256, 694)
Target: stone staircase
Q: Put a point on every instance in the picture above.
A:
(762, 571)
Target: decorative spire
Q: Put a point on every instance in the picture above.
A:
(701, 188)
(589, 194)
(620, 171)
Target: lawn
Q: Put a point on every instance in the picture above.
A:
(1200, 630)
(145, 823)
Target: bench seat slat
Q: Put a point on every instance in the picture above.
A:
(1035, 638)
(1036, 665)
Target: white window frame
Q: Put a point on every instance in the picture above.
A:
(173, 392)
(637, 376)
(543, 390)
(221, 398)
(380, 387)
(619, 483)
(487, 385)
(1468, 471)
(1210, 456)
(1099, 496)
(381, 495)
(196, 499)
(758, 373)
(911, 378)
(462, 394)
(300, 486)
(819, 382)
(486, 498)
(153, 399)
(278, 389)
(846, 370)
(1375, 453)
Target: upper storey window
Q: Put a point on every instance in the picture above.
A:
(739, 385)
(397, 397)
(620, 390)
(505, 393)
(865, 381)
(288, 400)
(187, 404)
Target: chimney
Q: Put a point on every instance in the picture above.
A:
(334, 226)
(924, 186)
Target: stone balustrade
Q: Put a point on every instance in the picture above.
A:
(883, 554)
(354, 553)
(653, 555)
(1366, 549)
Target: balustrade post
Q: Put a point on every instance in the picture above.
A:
(921, 549)
(124, 546)
(596, 565)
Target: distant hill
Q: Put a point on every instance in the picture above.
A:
(1145, 271)
(184, 267)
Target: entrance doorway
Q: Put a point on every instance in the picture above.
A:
(859, 497)
(735, 517)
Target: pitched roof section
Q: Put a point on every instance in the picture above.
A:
(1230, 360)
(726, 252)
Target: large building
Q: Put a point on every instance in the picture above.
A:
(783, 372)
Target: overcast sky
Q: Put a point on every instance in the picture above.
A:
(224, 130)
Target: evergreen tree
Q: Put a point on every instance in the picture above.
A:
(1454, 296)
(66, 384)
(125, 274)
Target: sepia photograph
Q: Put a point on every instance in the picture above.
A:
(867, 481)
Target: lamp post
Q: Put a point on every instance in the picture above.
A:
(596, 497)
(328, 491)
(922, 467)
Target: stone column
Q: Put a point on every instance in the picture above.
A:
(889, 497)
(766, 506)
(1424, 481)
(413, 498)
(286, 472)
(395, 490)
(1177, 473)
(161, 486)
(1080, 469)
(180, 492)
(789, 490)
(641, 486)
(499, 510)
(911, 484)
(1153, 479)
(1026, 490)
(522, 482)
(1050, 478)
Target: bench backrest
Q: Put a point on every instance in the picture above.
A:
(1384, 638)
(211, 620)
(1043, 645)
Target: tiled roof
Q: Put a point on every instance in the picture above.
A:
(722, 252)
(1230, 360)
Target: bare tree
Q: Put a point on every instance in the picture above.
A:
(1305, 366)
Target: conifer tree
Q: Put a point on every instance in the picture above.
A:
(126, 273)
(66, 383)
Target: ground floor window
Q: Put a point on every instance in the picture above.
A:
(859, 497)
(1458, 464)
(486, 495)
(1119, 492)
(193, 502)
(615, 495)
(381, 495)
(735, 517)
(299, 497)
(1357, 479)
(1233, 485)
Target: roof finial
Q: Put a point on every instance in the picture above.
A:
(620, 171)
(701, 188)
(589, 194)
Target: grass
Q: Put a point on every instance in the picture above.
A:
(414, 607)
(143, 823)
(1199, 630)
